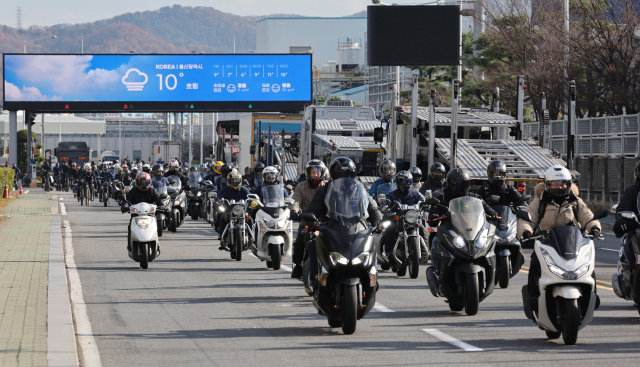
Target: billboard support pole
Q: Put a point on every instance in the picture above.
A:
(201, 120)
(119, 138)
(414, 121)
(455, 92)
(432, 127)
(42, 137)
(190, 137)
(31, 171)
(13, 137)
(269, 146)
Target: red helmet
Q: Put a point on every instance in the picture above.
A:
(143, 181)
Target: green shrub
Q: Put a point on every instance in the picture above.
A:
(6, 177)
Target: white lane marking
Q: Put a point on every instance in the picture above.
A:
(607, 249)
(382, 308)
(286, 268)
(84, 333)
(63, 211)
(451, 340)
(204, 230)
(60, 198)
(26, 192)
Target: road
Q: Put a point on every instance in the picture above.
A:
(195, 306)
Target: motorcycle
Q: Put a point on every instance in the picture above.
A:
(163, 213)
(179, 199)
(466, 245)
(48, 182)
(567, 289)
(237, 235)
(410, 249)
(143, 238)
(274, 227)
(626, 282)
(194, 194)
(509, 257)
(347, 282)
(105, 191)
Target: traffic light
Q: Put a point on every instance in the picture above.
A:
(30, 118)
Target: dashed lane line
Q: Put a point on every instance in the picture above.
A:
(451, 340)
(607, 249)
(63, 211)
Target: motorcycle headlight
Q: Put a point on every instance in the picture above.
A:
(198, 194)
(383, 225)
(237, 210)
(143, 222)
(458, 242)
(282, 223)
(411, 217)
(221, 209)
(363, 258)
(562, 273)
(177, 202)
(270, 223)
(482, 240)
(336, 258)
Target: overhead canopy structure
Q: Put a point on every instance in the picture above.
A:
(479, 117)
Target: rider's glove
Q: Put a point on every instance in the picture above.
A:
(124, 208)
(492, 213)
(254, 204)
(595, 232)
(526, 235)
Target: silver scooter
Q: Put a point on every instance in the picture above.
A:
(143, 240)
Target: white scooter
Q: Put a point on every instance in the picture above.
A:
(567, 289)
(143, 240)
(274, 227)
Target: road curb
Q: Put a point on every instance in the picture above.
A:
(61, 341)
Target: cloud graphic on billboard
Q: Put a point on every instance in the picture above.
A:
(135, 83)
(32, 94)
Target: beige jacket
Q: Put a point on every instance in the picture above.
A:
(302, 194)
(556, 215)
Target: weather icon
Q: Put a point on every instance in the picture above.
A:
(231, 88)
(135, 82)
(275, 88)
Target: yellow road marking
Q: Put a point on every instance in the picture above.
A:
(607, 288)
(602, 281)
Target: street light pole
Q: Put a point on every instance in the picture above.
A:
(24, 42)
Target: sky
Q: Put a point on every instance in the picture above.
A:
(48, 13)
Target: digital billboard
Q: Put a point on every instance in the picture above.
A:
(150, 83)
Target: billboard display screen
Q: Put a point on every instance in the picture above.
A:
(57, 83)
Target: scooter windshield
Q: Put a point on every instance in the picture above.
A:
(505, 214)
(386, 188)
(194, 179)
(347, 201)
(159, 185)
(174, 185)
(567, 241)
(467, 215)
(273, 196)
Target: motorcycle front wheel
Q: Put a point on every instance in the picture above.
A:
(275, 257)
(349, 309)
(144, 256)
(570, 321)
(505, 271)
(238, 248)
(472, 294)
(414, 257)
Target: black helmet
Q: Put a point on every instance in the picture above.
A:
(143, 181)
(404, 181)
(257, 168)
(193, 169)
(458, 182)
(342, 167)
(497, 173)
(315, 172)
(225, 169)
(157, 170)
(416, 173)
(247, 170)
(437, 172)
(387, 169)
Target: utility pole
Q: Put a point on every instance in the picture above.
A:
(455, 93)
(391, 136)
(120, 138)
(520, 107)
(201, 139)
(190, 136)
(414, 121)
(42, 137)
(432, 127)
(13, 137)
(570, 124)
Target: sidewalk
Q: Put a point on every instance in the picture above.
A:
(25, 239)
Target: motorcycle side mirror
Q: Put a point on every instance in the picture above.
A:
(164, 196)
(432, 201)
(207, 182)
(253, 197)
(613, 209)
(601, 213)
(309, 217)
(627, 216)
(524, 215)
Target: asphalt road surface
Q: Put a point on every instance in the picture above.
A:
(195, 306)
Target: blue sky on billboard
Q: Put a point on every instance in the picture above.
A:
(104, 78)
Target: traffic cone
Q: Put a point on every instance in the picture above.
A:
(5, 194)
(20, 192)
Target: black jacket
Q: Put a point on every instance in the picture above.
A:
(430, 184)
(136, 196)
(183, 179)
(508, 194)
(628, 203)
(318, 208)
(437, 212)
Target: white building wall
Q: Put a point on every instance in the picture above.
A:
(276, 35)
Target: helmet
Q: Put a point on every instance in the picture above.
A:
(458, 182)
(202, 168)
(157, 170)
(270, 176)
(258, 167)
(387, 169)
(497, 173)
(217, 166)
(404, 181)
(247, 170)
(173, 164)
(93, 166)
(116, 165)
(146, 168)
(143, 181)
(557, 181)
(437, 172)
(73, 164)
(315, 172)
(212, 170)
(416, 173)
(104, 168)
(87, 167)
(134, 170)
(342, 167)
(193, 169)
(234, 180)
(124, 166)
(116, 162)
(225, 169)
(119, 169)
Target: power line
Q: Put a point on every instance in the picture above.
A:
(19, 18)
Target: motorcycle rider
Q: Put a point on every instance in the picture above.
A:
(64, 173)
(126, 177)
(143, 192)
(248, 173)
(458, 184)
(173, 171)
(387, 171)
(213, 174)
(341, 167)
(146, 168)
(158, 174)
(44, 172)
(316, 175)
(556, 205)
(628, 203)
(417, 178)
(256, 180)
(436, 179)
(497, 174)
(269, 177)
(233, 191)
(404, 194)
(222, 180)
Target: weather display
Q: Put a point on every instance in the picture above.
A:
(157, 78)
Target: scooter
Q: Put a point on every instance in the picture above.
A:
(626, 282)
(179, 203)
(274, 227)
(143, 240)
(468, 262)
(567, 289)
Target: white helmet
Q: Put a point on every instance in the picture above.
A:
(557, 180)
(174, 163)
(270, 175)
